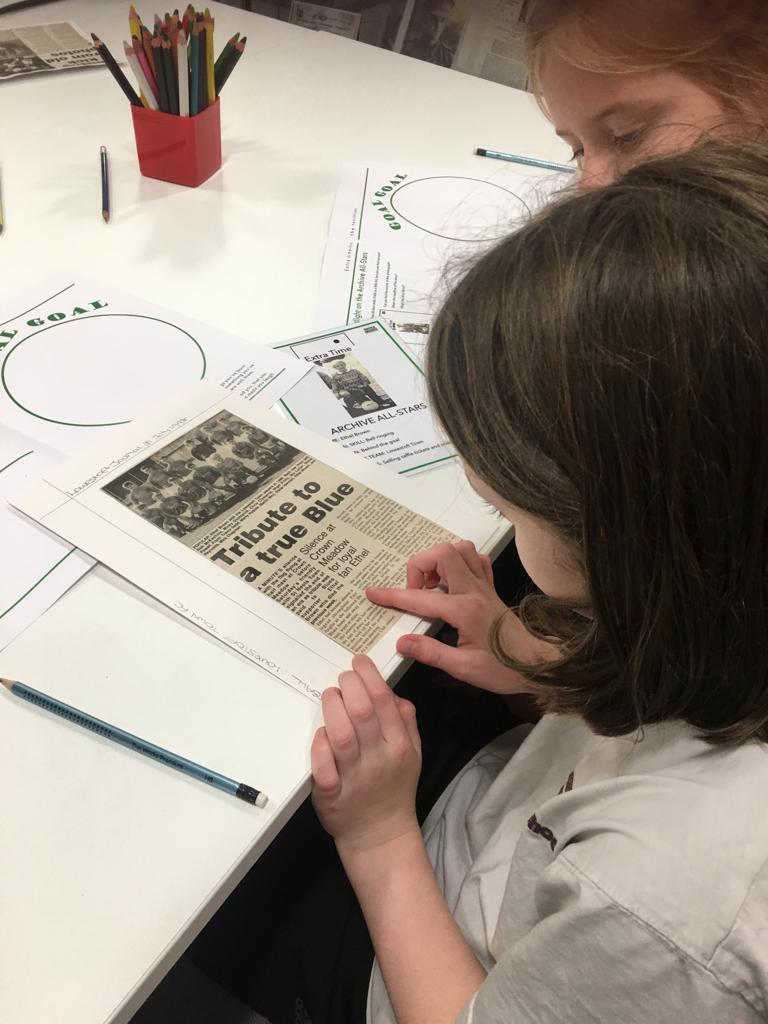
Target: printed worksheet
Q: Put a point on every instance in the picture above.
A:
(366, 392)
(38, 566)
(79, 357)
(398, 234)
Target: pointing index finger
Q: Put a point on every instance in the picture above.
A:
(427, 604)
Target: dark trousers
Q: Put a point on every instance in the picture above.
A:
(291, 940)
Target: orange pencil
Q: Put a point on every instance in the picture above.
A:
(146, 44)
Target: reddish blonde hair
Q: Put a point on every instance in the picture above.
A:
(721, 45)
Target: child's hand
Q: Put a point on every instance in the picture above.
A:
(366, 761)
(467, 600)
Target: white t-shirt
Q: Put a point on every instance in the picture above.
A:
(620, 880)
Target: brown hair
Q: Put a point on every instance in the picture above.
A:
(722, 45)
(605, 368)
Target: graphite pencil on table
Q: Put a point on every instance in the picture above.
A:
(128, 739)
(105, 203)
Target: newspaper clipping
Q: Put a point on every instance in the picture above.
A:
(294, 528)
(59, 47)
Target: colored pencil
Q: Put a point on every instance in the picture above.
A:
(237, 53)
(105, 205)
(211, 86)
(202, 81)
(223, 57)
(114, 69)
(183, 74)
(146, 45)
(132, 742)
(528, 161)
(148, 74)
(160, 66)
(148, 97)
(194, 69)
(134, 21)
(170, 77)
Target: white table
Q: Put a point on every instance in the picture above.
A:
(111, 864)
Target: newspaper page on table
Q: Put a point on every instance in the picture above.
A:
(38, 567)
(367, 393)
(79, 357)
(398, 233)
(256, 530)
(33, 48)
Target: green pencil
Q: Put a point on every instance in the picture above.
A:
(162, 87)
(170, 76)
(223, 57)
(237, 52)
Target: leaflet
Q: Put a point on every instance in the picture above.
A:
(366, 392)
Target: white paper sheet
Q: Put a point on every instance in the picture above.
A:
(366, 393)
(38, 567)
(73, 501)
(79, 357)
(67, 378)
(397, 231)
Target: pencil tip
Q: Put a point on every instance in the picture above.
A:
(7, 683)
(105, 215)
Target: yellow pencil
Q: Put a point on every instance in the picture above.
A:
(134, 22)
(211, 83)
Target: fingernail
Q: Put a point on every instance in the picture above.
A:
(406, 646)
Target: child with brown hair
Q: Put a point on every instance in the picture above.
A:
(603, 374)
(621, 82)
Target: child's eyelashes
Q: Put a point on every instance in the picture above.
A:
(489, 507)
(625, 140)
(628, 139)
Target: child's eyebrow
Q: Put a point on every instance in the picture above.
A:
(646, 107)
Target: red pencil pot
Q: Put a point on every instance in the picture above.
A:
(184, 150)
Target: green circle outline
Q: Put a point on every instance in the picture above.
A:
(91, 316)
(457, 177)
